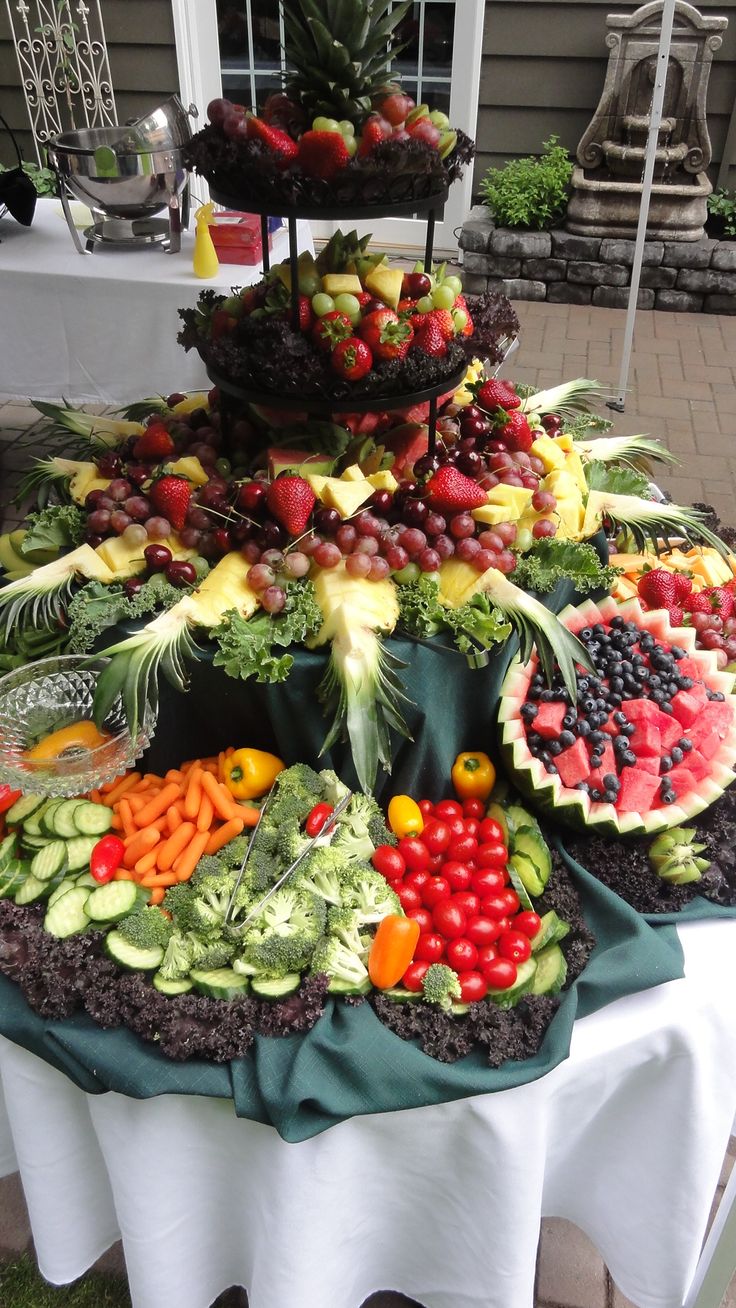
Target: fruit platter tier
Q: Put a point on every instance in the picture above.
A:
(247, 203)
(335, 404)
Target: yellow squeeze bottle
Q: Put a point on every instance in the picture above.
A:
(205, 260)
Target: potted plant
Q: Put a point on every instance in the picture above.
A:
(530, 192)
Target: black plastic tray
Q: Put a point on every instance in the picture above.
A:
(319, 407)
(274, 207)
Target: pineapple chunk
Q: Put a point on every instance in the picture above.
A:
(623, 589)
(457, 583)
(190, 467)
(342, 284)
(195, 400)
(225, 587)
(125, 560)
(709, 566)
(385, 284)
(317, 482)
(565, 442)
(86, 479)
(345, 496)
(518, 496)
(548, 450)
(353, 473)
(383, 481)
(353, 601)
(574, 465)
(562, 484)
(491, 514)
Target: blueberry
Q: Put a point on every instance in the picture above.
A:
(529, 712)
(629, 729)
(548, 697)
(545, 755)
(582, 727)
(597, 738)
(549, 766)
(668, 796)
(717, 696)
(569, 720)
(665, 764)
(533, 692)
(629, 758)
(677, 652)
(534, 740)
(555, 748)
(620, 719)
(617, 623)
(596, 760)
(627, 666)
(677, 755)
(610, 796)
(567, 738)
(586, 634)
(666, 707)
(583, 685)
(596, 795)
(615, 700)
(588, 705)
(611, 781)
(685, 683)
(641, 674)
(599, 629)
(685, 744)
(655, 682)
(582, 785)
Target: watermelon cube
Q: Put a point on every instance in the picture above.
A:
(689, 668)
(697, 763)
(638, 791)
(715, 716)
(687, 704)
(649, 763)
(573, 764)
(646, 739)
(608, 765)
(548, 722)
(682, 780)
(708, 746)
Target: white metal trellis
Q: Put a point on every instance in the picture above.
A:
(64, 69)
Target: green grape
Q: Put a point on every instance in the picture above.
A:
(326, 125)
(460, 319)
(426, 304)
(524, 540)
(351, 145)
(439, 119)
(410, 573)
(322, 304)
(348, 304)
(454, 283)
(443, 297)
(346, 127)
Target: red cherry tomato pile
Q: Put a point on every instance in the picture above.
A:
(452, 879)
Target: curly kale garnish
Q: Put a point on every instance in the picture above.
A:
(616, 480)
(477, 625)
(247, 647)
(54, 528)
(96, 607)
(553, 560)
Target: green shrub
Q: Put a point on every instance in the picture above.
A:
(723, 205)
(44, 179)
(530, 192)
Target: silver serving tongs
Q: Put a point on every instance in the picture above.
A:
(330, 822)
(247, 853)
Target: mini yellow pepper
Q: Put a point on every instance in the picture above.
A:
(249, 773)
(78, 737)
(405, 816)
(473, 775)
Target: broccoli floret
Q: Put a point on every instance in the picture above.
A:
(233, 853)
(266, 839)
(334, 958)
(179, 901)
(211, 898)
(284, 934)
(274, 956)
(369, 894)
(291, 843)
(262, 870)
(146, 928)
(301, 779)
(334, 788)
(379, 833)
(344, 923)
(208, 866)
(208, 955)
(322, 874)
(440, 985)
(355, 830)
(177, 958)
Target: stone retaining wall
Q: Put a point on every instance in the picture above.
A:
(682, 276)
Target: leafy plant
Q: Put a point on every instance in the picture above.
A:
(530, 192)
(44, 179)
(722, 204)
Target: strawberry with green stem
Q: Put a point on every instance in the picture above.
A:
(291, 499)
(330, 329)
(322, 154)
(450, 491)
(351, 359)
(385, 334)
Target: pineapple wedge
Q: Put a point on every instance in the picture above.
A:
(195, 400)
(125, 560)
(345, 496)
(225, 587)
(190, 467)
(548, 450)
(371, 603)
(383, 481)
(458, 583)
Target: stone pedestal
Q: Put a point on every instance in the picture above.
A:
(677, 211)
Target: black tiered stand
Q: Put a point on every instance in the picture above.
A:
(430, 205)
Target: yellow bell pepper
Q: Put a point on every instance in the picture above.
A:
(405, 816)
(473, 775)
(249, 773)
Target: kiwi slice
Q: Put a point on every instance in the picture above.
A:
(675, 856)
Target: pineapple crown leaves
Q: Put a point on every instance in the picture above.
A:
(341, 50)
(164, 646)
(649, 521)
(43, 476)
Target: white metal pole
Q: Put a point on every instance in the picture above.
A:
(663, 55)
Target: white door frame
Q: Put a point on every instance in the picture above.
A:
(198, 60)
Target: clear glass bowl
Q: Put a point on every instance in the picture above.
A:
(47, 696)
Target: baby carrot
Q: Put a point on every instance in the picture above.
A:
(173, 774)
(158, 805)
(186, 862)
(206, 812)
(248, 815)
(164, 879)
(122, 787)
(140, 845)
(123, 874)
(173, 819)
(95, 797)
(148, 862)
(126, 817)
(116, 822)
(136, 802)
(193, 796)
(222, 800)
(228, 831)
(173, 847)
(156, 895)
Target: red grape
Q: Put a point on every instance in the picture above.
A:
(543, 501)
(445, 546)
(396, 557)
(462, 525)
(327, 555)
(119, 520)
(296, 564)
(434, 524)
(544, 528)
(137, 507)
(99, 521)
(367, 545)
(346, 537)
(119, 489)
(413, 541)
(190, 538)
(467, 548)
(379, 567)
(260, 577)
(273, 599)
(505, 561)
(429, 560)
(359, 565)
(485, 559)
(157, 528)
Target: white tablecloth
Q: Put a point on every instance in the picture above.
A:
(100, 328)
(625, 1139)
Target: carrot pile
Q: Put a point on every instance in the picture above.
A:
(168, 823)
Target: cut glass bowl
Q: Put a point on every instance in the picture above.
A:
(43, 698)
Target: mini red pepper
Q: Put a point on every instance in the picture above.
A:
(317, 818)
(8, 797)
(106, 858)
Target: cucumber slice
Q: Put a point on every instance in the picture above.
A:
(22, 809)
(12, 877)
(518, 885)
(92, 819)
(86, 878)
(79, 851)
(552, 930)
(459, 1010)
(49, 862)
(32, 824)
(400, 996)
(111, 902)
(8, 849)
(68, 883)
(67, 917)
(35, 842)
(165, 987)
(62, 818)
(220, 983)
(528, 873)
(344, 988)
(32, 889)
(523, 983)
(551, 973)
(128, 956)
(47, 820)
(530, 842)
(286, 985)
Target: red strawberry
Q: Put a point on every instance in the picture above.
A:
(170, 496)
(443, 319)
(351, 359)
(461, 303)
(280, 143)
(387, 336)
(364, 298)
(330, 329)
(721, 601)
(430, 339)
(683, 585)
(676, 615)
(407, 306)
(374, 132)
(306, 313)
(291, 500)
(497, 394)
(451, 491)
(516, 433)
(155, 444)
(323, 154)
(657, 588)
(698, 603)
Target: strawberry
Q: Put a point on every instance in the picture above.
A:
(430, 339)
(451, 491)
(364, 298)
(408, 306)
(385, 334)
(170, 496)
(721, 601)
(443, 319)
(374, 132)
(278, 142)
(330, 329)
(291, 499)
(516, 433)
(683, 585)
(497, 394)
(351, 359)
(461, 303)
(658, 589)
(323, 154)
(697, 603)
(306, 313)
(676, 615)
(155, 444)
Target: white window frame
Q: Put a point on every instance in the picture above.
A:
(198, 59)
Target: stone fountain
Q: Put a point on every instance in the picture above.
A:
(607, 180)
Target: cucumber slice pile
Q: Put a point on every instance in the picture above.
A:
(53, 843)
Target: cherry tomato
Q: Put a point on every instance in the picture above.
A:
(515, 946)
(473, 808)
(423, 917)
(396, 886)
(468, 902)
(462, 955)
(106, 858)
(472, 827)
(418, 879)
(511, 899)
(449, 919)
(457, 874)
(494, 905)
(500, 973)
(389, 862)
(473, 987)
(529, 922)
(482, 931)
(486, 954)
(427, 808)
(488, 881)
(429, 948)
(504, 924)
(493, 854)
(490, 829)
(415, 853)
(414, 975)
(457, 827)
(436, 863)
(317, 818)
(448, 809)
(435, 892)
(436, 836)
(409, 897)
(463, 848)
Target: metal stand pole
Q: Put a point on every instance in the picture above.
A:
(432, 424)
(294, 266)
(663, 54)
(430, 241)
(264, 243)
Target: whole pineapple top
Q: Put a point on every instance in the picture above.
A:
(339, 52)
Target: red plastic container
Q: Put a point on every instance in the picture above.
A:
(237, 237)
